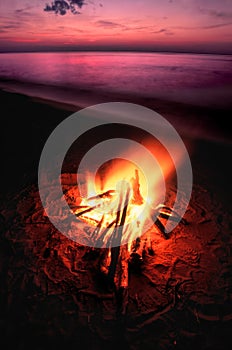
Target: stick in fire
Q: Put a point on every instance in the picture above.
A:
(119, 256)
(118, 231)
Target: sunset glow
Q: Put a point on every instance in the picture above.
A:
(167, 25)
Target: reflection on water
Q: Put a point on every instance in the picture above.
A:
(191, 78)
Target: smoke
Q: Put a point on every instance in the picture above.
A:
(62, 6)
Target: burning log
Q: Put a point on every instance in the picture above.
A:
(123, 280)
(104, 232)
(107, 194)
(85, 211)
(98, 228)
(75, 208)
(161, 227)
(117, 235)
(166, 213)
(123, 270)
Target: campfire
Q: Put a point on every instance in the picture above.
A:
(110, 192)
(116, 206)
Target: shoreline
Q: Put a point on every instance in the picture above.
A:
(27, 123)
(191, 121)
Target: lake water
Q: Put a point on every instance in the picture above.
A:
(185, 78)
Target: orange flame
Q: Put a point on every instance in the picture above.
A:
(104, 191)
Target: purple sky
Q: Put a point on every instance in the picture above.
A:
(175, 25)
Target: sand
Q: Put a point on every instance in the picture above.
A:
(51, 293)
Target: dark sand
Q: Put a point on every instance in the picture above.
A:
(26, 123)
(183, 296)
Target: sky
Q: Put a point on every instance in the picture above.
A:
(155, 25)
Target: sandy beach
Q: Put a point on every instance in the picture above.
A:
(115, 186)
(186, 284)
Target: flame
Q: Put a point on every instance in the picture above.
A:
(107, 195)
(130, 182)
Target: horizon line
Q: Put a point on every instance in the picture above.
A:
(117, 50)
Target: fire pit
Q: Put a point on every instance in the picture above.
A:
(117, 211)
